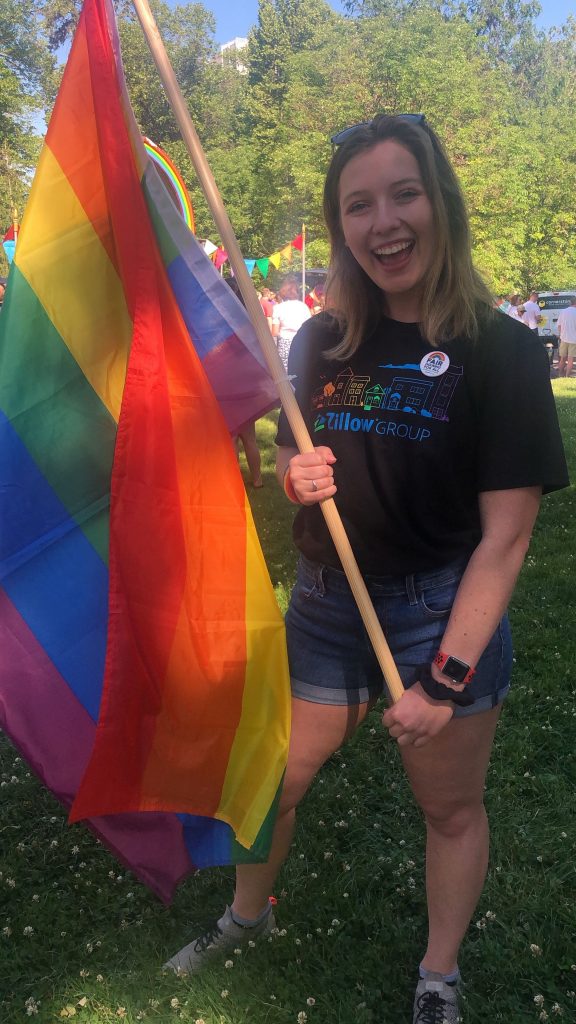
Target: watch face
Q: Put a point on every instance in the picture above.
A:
(456, 670)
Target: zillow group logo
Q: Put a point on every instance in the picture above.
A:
(346, 421)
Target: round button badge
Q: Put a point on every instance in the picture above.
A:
(434, 364)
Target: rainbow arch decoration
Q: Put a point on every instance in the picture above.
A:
(173, 179)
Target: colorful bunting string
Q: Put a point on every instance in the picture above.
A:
(219, 256)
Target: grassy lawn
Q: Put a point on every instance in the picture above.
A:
(79, 937)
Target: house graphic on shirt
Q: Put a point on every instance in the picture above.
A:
(374, 397)
(444, 391)
(419, 395)
(409, 394)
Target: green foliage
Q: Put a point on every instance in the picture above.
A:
(25, 81)
(500, 92)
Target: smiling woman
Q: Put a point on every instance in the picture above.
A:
(388, 224)
(437, 435)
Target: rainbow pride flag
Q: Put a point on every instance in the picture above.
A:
(143, 670)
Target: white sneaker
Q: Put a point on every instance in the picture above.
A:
(224, 935)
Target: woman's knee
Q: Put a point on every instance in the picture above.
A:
(451, 818)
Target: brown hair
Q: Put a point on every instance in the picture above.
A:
(455, 296)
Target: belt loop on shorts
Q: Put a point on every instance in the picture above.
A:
(411, 590)
(320, 586)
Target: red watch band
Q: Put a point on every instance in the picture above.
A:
(440, 660)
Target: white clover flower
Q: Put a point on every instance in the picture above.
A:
(7, 931)
(535, 950)
(273, 999)
(99, 977)
(121, 1011)
(238, 952)
(175, 1003)
(539, 1000)
(10, 883)
(310, 1001)
(251, 944)
(84, 973)
(31, 1006)
(224, 993)
(199, 1021)
(75, 849)
(543, 1015)
(490, 915)
(302, 1017)
(28, 930)
(229, 964)
(557, 1009)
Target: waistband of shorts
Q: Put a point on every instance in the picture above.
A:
(387, 586)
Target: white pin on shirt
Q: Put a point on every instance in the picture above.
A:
(434, 364)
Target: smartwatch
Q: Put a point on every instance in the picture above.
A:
(436, 690)
(456, 670)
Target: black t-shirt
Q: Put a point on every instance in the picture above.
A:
(418, 434)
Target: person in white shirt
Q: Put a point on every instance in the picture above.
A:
(288, 316)
(567, 333)
(513, 308)
(532, 312)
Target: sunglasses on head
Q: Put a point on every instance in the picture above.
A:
(347, 133)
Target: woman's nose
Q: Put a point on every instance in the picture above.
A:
(386, 216)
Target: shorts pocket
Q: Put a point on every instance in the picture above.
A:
(437, 601)
(309, 583)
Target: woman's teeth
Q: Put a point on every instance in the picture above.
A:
(390, 250)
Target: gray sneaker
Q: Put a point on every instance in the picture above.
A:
(221, 937)
(436, 1002)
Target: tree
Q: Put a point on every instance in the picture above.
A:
(26, 69)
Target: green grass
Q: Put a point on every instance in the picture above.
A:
(351, 907)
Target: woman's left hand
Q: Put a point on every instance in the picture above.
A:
(416, 718)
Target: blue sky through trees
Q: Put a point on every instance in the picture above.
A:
(237, 19)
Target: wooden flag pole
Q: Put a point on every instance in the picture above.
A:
(287, 397)
(303, 262)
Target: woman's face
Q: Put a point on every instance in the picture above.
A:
(388, 226)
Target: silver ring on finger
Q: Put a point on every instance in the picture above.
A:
(314, 485)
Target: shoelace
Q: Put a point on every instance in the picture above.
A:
(431, 1008)
(207, 939)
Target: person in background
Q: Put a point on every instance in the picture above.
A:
(437, 435)
(532, 312)
(288, 316)
(316, 299)
(515, 307)
(566, 327)
(502, 304)
(267, 304)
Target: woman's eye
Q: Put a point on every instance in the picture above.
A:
(357, 207)
(407, 195)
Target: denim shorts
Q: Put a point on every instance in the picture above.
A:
(331, 657)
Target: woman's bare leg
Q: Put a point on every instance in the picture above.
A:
(317, 731)
(447, 777)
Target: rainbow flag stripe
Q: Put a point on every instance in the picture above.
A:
(143, 669)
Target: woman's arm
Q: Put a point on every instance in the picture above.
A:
(507, 519)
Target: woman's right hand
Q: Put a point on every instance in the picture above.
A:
(311, 475)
